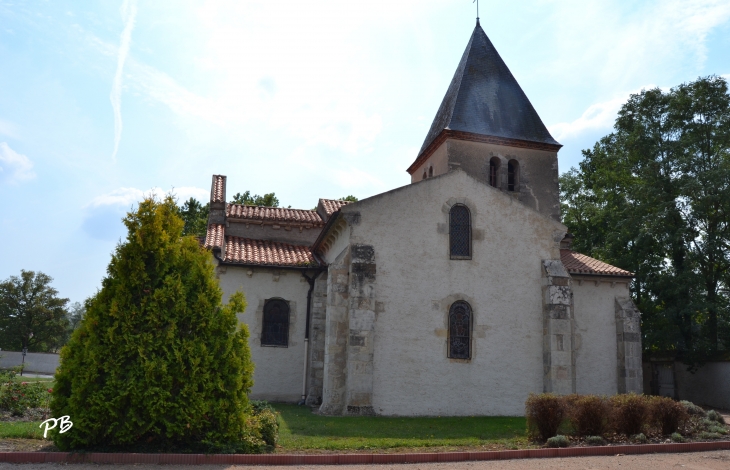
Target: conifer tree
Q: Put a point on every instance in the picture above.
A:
(158, 362)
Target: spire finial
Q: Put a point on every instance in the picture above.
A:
(477, 2)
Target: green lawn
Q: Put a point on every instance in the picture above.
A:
(300, 430)
(21, 429)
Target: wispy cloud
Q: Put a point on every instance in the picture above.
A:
(128, 196)
(129, 12)
(14, 167)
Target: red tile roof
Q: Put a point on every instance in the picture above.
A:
(218, 193)
(265, 252)
(332, 205)
(214, 236)
(274, 214)
(577, 263)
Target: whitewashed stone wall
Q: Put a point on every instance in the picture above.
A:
(278, 373)
(417, 282)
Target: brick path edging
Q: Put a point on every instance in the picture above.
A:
(334, 459)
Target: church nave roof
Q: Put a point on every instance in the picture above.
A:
(267, 253)
(274, 214)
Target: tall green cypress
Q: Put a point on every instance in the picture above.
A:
(158, 362)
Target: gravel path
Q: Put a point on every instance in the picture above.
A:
(717, 460)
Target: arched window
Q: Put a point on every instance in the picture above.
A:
(513, 175)
(430, 172)
(424, 175)
(460, 232)
(460, 330)
(494, 165)
(276, 323)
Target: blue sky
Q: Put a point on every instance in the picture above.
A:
(102, 102)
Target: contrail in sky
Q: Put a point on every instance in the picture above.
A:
(129, 11)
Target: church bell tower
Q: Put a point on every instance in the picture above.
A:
(487, 127)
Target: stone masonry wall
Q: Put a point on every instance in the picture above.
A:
(361, 331)
(334, 385)
(558, 330)
(317, 340)
(628, 342)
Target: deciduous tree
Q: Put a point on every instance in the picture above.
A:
(653, 197)
(31, 313)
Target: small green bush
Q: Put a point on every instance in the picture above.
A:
(629, 413)
(595, 440)
(588, 414)
(677, 437)
(715, 416)
(17, 396)
(692, 409)
(544, 413)
(558, 441)
(710, 435)
(666, 414)
(640, 438)
(718, 429)
(260, 405)
(268, 426)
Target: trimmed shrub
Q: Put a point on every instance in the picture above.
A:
(268, 426)
(158, 364)
(260, 405)
(677, 437)
(693, 409)
(588, 414)
(715, 416)
(595, 441)
(558, 441)
(628, 413)
(640, 438)
(544, 413)
(710, 435)
(666, 414)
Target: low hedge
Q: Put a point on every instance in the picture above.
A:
(628, 415)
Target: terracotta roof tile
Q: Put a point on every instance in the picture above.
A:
(577, 263)
(214, 236)
(265, 252)
(332, 205)
(218, 193)
(274, 214)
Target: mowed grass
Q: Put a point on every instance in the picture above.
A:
(301, 430)
(21, 429)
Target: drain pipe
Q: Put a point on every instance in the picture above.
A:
(306, 333)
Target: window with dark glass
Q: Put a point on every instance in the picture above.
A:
(276, 323)
(494, 172)
(460, 330)
(430, 172)
(512, 175)
(460, 232)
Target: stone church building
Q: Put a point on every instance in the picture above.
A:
(457, 294)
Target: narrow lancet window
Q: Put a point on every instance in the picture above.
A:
(460, 330)
(430, 172)
(494, 164)
(513, 170)
(460, 232)
(276, 323)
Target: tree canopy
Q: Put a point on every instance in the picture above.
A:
(268, 200)
(158, 362)
(31, 314)
(653, 197)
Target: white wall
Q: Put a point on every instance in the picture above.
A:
(595, 328)
(278, 373)
(417, 282)
(39, 363)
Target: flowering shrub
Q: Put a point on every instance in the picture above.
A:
(17, 397)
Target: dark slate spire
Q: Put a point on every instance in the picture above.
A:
(484, 98)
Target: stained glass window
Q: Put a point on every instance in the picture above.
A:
(460, 330)
(460, 232)
(276, 323)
